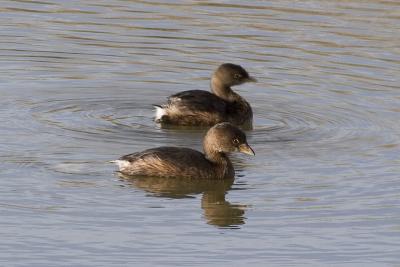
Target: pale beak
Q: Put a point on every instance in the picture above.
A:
(246, 149)
(251, 79)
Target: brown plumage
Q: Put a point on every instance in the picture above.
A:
(202, 108)
(185, 162)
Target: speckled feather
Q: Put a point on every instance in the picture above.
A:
(175, 162)
(198, 107)
(195, 107)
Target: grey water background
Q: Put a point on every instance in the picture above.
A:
(77, 84)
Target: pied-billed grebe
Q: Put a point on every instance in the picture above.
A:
(202, 108)
(185, 162)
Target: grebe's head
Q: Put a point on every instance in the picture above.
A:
(224, 138)
(230, 74)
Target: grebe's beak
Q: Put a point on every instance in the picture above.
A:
(251, 79)
(246, 149)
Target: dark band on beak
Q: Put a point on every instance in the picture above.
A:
(246, 149)
(251, 79)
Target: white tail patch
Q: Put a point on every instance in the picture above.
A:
(122, 164)
(160, 112)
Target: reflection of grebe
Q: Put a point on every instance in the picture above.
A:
(185, 162)
(217, 211)
(201, 108)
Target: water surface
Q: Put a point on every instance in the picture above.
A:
(77, 84)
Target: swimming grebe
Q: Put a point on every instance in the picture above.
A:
(185, 162)
(203, 108)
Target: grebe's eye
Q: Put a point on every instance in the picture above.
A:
(236, 141)
(237, 76)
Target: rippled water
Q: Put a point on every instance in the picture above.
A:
(77, 83)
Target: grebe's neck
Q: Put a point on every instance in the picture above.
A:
(220, 89)
(222, 163)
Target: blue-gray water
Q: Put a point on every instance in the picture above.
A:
(77, 84)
